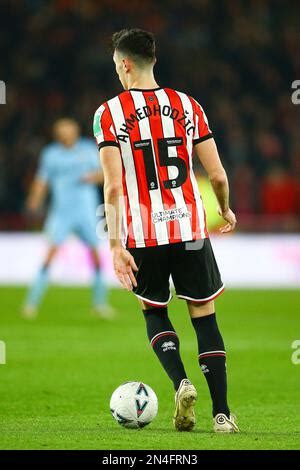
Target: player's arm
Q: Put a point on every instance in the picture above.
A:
(207, 153)
(39, 186)
(123, 261)
(36, 195)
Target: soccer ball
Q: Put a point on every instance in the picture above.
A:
(134, 405)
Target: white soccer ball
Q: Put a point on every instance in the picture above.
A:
(134, 405)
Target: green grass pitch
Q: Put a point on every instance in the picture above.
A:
(62, 368)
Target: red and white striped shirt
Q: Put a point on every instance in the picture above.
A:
(155, 131)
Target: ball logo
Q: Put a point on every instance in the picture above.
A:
(141, 405)
(140, 408)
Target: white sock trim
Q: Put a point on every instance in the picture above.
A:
(163, 333)
(212, 352)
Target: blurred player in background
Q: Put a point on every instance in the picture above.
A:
(69, 169)
(146, 137)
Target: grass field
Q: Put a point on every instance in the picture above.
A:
(62, 368)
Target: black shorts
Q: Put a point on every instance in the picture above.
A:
(193, 268)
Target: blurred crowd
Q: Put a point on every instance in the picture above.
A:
(238, 58)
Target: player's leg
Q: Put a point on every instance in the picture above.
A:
(86, 230)
(100, 297)
(197, 279)
(57, 227)
(39, 285)
(99, 287)
(164, 342)
(212, 361)
(154, 294)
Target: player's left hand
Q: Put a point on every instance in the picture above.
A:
(124, 266)
(230, 217)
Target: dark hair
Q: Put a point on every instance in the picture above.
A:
(137, 43)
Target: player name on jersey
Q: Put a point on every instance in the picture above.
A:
(148, 111)
(155, 131)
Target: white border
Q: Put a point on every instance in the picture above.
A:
(206, 298)
(154, 302)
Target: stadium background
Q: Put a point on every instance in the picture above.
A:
(239, 60)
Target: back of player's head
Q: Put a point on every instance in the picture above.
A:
(136, 43)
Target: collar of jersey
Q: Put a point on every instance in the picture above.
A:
(145, 89)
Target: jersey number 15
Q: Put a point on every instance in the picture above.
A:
(164, 160)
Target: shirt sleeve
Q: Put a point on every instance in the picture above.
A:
(202, 130)
(43, 172)
(103, 128)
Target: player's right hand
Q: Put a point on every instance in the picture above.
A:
(124, 267)
(229, 216)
